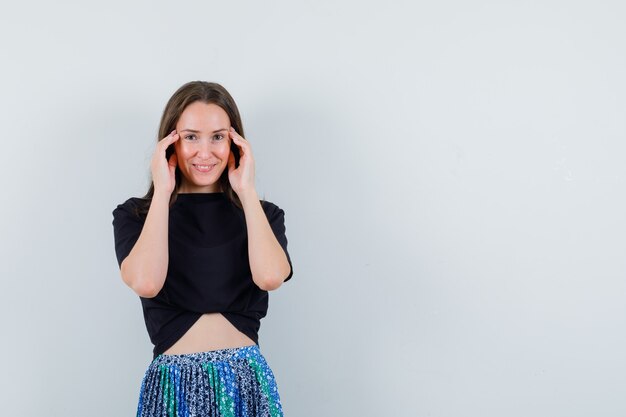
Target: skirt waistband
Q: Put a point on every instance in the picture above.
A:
(219, 355)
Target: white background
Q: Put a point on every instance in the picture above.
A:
(452, 175)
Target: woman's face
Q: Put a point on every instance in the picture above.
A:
(203, 148)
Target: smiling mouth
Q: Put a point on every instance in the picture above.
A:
(203, 168)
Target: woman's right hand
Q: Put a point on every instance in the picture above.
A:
(163, 171)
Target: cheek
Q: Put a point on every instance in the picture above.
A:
(182, 148)
(225, 149)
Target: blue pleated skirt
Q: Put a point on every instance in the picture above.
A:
(225, 382)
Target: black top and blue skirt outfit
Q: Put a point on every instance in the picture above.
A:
(208, 271)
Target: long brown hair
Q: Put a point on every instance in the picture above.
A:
(209, 93)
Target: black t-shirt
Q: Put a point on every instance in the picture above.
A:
(208, 269)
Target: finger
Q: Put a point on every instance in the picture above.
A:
(238, 141)
(173, 136)
(170, 134)
(169, 139)
(235, 134)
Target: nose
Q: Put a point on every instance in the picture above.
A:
(205, 148)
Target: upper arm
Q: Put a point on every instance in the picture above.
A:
(276, 218)
(127, 227)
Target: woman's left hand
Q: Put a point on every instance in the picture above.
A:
(242, 177)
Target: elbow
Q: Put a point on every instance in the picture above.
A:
(270, 285)
(146, 289)
(274, 282)
(143, 287)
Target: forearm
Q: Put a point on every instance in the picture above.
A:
(145, 268)
(268, 261)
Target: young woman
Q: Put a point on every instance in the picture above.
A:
(202, 251)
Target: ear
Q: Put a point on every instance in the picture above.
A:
(231, 162)
(173, 159)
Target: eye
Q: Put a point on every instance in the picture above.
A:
(190, 136)
(218, 137)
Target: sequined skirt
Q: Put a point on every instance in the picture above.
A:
(233, 382)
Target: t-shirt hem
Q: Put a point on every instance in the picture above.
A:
(161, 347)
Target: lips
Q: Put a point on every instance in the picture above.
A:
(203, 168)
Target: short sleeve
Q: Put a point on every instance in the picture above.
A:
(127, 227)
(276, 218)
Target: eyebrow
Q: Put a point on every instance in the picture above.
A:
(197, 131)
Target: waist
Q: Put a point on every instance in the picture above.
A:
(212, 331)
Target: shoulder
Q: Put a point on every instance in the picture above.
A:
(271, 208)
(275, 214)
(268, 204)
(131, 207)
